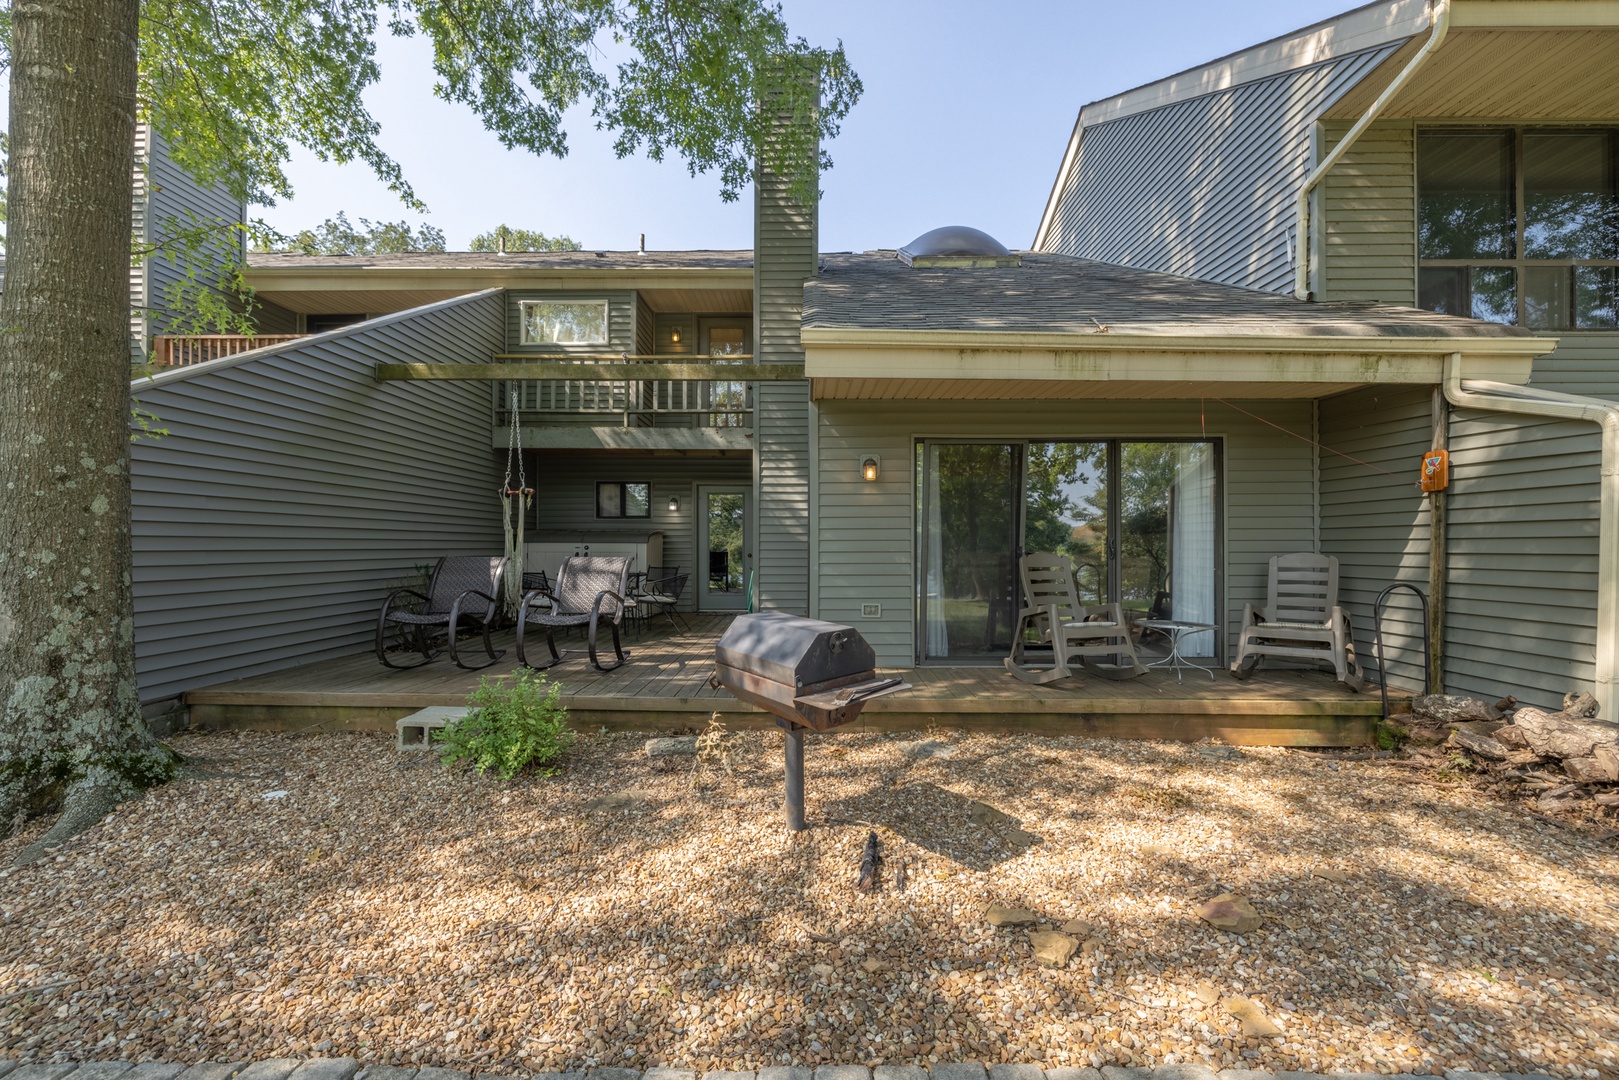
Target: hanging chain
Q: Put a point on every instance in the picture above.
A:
(514, 452)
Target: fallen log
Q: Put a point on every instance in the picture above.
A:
(1451, 709)
(1478, 745)
(1572, 737)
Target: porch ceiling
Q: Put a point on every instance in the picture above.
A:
(1042, 390)
(356, 301)
(1485, 72)
(704, 301)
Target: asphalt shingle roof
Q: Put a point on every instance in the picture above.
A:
(1063, 295)
(515, 260)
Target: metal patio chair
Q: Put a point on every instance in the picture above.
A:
(1301, 620)
(1051, 610)
(661, 595)
(455, 578)
(588, 589)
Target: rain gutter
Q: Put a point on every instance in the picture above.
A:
(1436, 37)
(1529, 401)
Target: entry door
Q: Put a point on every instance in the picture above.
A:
(724, 520)
(969, 547)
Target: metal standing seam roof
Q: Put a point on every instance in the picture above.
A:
(514, 260)
(1059, 294)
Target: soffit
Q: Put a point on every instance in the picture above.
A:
(364, 302)
(704, 301)
(1033, 390)
(1501, 74)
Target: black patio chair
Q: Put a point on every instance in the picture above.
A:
(454, 579)
(587, 589)
(662, 595)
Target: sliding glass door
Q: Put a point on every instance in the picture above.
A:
(1138, 519)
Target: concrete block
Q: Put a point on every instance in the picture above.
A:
(842, 1072)
(613, 1072)
(685, 1074)
(212, 1070)
(959, 1070)
(338, 1068)
(154, 1070)
(1069, 1072)
(1245, 1074)
(773, 1072)
(43, 1072)
(728, 1074)
(436, 1073)
(103, 1070)
(1016, 1072)
(1120, 1072)
(1188, 1071)
(270, 1069)
(385, 1072)
(899, 1072)
(415, 732)
(7, 1066)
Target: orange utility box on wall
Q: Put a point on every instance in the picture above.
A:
(1435, 470)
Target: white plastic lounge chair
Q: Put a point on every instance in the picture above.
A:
(1051, 609)
(1301, 620)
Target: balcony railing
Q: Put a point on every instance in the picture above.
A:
(634, 402)
(183, 350)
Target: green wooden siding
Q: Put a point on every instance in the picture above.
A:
(785, 238)
(866, 532)
(1378, 525)
(1368, 216)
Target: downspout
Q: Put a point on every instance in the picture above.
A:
(1526, 401)
(1436, 37)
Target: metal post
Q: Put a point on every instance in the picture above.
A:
(795, 779)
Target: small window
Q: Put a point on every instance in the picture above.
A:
(571, 322)
(618, 499)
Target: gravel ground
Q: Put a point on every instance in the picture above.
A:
(634, 912)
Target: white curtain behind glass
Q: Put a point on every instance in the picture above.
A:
(938, 637)
(1192, 544)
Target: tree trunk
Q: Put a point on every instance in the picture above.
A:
(70, 723)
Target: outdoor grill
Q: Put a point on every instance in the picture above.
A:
(810, 675)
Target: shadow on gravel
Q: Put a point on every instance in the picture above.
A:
(970, 833)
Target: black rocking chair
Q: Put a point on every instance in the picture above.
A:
(587, 590)
(455, 578)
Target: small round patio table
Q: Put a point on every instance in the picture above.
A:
(1175, 630)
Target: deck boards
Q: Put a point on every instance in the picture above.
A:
(665, 684)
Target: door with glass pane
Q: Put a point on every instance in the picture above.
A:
(726, 341)
(969, 545)
(721, 573)
(1139, 520)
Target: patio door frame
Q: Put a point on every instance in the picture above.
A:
(1020, 456)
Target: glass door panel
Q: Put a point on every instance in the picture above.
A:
(1167, 511)
(969, 540)
(1065, 510)
(722, 566)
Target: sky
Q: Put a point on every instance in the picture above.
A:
(965, 117)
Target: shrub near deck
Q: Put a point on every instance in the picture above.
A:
(405, 915)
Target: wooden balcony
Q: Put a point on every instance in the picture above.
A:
(183, 350)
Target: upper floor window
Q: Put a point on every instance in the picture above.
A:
(1520, 225)
(569, 322)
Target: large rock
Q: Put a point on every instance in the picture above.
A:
(1561, 735)
(1001, 915)
(672, 746)
(1450, 709)
(1052, 949)
(1231, 913)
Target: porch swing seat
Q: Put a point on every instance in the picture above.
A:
(1096, 638)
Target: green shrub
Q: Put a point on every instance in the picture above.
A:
(516, 723)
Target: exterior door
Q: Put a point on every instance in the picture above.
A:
(724, 520)
(969, 548)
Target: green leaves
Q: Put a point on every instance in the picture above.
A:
(506, 238)
(232, 85)
(516, 723)
(336, 236)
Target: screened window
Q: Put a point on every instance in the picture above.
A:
(570, 322)
(1520, 226)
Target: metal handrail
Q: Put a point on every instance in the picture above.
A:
(1377, 642)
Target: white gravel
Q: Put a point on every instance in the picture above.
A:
(395, 911)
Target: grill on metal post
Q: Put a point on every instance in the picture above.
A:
(810, 675)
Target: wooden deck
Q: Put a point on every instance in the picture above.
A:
(664, 686)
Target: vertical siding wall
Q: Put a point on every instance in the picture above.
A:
(1377, 525)
(293, 488)
(567, 499)
(1367, 216)
(866, 533)
(1203, 187)
(785, 255)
